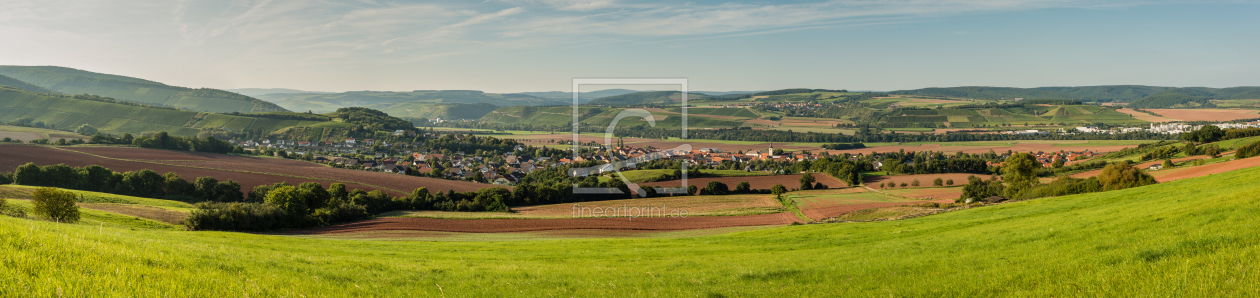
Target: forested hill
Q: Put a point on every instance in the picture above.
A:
(1115, 93)
(1139, 96)
(446, 104)
(15, 83)
(646, 98)
(68, 112)
(74, 81)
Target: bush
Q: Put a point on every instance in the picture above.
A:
(938, 182)
(743, 187)
(55, 204)
(716, 188)
(1121, 175)
(914, 183)
(238, 217)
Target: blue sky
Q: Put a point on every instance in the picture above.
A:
(539, 45)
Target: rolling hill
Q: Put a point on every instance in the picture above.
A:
(1140, 96)
(74, 81)
(118, 117)
(15, 83)
(256, 92)
(447, 104)
(647, 98)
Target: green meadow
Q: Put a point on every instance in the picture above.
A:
(1193, 237)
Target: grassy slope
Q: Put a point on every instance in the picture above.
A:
(1192, 237)
(74, 81)
(15, 83)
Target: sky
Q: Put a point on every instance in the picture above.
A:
(541, 45)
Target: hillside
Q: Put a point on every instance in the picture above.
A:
(256, 92)
(74, 81)
(1192, 237)
(1139, 96)
(109, 116)
(597, 116)
(646, 98)
(446, 104)
(15, 83)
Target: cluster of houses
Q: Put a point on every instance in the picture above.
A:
(1047, 158)
(1167, 128)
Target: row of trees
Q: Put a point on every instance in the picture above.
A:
(1019, 181)
(142, 183)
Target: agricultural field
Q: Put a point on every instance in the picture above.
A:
(1199, 228)
(925, 180)
(1041, 115)
(822, 204)
(31, 133)
(248, 171)
(756, 182)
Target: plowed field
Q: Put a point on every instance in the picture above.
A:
(248, 171)
(756, 182)
(526, 225)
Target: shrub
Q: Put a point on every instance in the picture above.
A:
(903, 184)
(938, 182)
(55, 204)
(238, 217)
(1121, 175)
(914, 183)
(716, 188)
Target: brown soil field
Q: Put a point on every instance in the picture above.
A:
(694, 205)
(819, 123)
(1200, 171)
(756, 182)
(1206, 114)
(17, 155)
(833, 211)
(925, 180)
(525, 225)
(1141, 166)
(146, 212)
(1144, 116)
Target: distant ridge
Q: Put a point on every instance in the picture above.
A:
(1138, 96)
(15, 83)
(256, 92)
(74, 81)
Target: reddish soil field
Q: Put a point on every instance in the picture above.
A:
(833, 211)
(756, 182)
(1206, 114)
(1200, 171)
(288, 167)
(695, 205)
(1144, 116)
(1140, 166)
(925, 193)
(924, 180)
(525, 225)
(17, 155)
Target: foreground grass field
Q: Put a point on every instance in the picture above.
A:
(1193, 237)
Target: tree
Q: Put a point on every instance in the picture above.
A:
(881, 185)
(778, 189)
(903, 184)
(1058, 162)
(743, 187)
(938, 182)
(286, 198)
(914, 183)
(1167, 163)
(338, 191)
(86, 130)
(716, 188)
(28, 174)
(949, 182)
(807, 181)
(692, 189)
(1121, 175)
(1020, 173)
(204, 187)
(55, 204)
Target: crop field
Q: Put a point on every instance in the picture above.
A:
(31, 133)
(503, 225)
(1034, 115)
(248, 171)
(983, 147)
(756, 182)
(1204, 170)
(929, 193)
(1192, 237)
(729, 112)
(413, 235)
